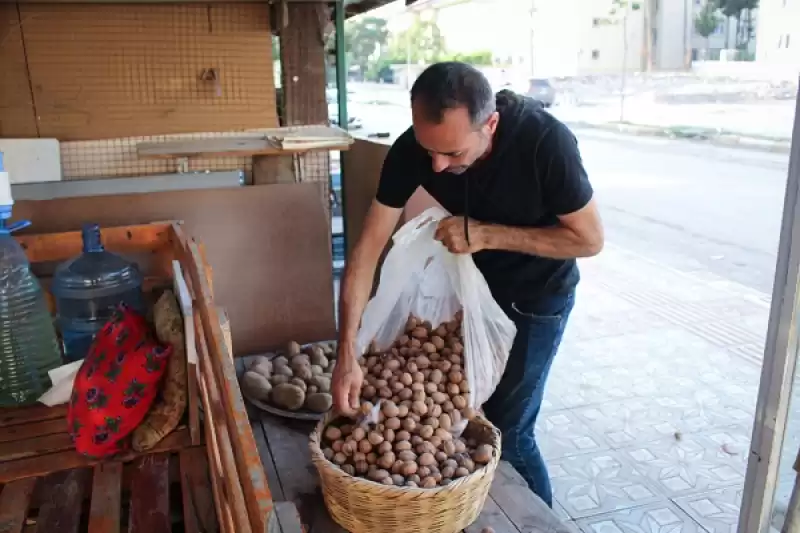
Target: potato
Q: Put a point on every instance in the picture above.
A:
(462, 472)
(317, 370)
(319, 402)
(349, 469)
(419, 408)
(428, 347)
(292, 349)
(323, 383)
(282, 371)
(317, 357)
(256, 385)
(299, 383)
(398, 480)
(280, 361)
(303, 372)
(262, 365)
(368, 392)
(340, 458)
(288, 396)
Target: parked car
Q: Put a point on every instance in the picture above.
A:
(541, 90)
(353, 123)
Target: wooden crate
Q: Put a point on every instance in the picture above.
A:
(35, 446)
(154, 493)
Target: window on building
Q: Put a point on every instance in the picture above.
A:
(780, 41)
(595, 54)
(788, 40)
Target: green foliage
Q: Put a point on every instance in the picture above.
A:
(618, 10)
(364, 39)
(707, 21)
(421, 43)
(481, 57)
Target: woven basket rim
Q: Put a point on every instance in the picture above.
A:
(321, 462)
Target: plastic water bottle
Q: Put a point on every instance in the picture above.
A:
(88, 288)
(28, 345)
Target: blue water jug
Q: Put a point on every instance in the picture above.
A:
(88, 288)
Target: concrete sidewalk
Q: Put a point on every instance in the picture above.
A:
(649, 407)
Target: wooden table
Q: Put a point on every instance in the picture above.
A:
(283, 445)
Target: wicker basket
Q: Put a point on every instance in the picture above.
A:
(363, 506)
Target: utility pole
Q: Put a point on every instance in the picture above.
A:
(531, 36)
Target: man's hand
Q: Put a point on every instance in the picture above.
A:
(346, 384)
(450, 232)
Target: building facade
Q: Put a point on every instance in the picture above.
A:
(779, 33)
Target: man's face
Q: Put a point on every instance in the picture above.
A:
(455, 143)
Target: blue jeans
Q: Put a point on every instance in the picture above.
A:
(515, 404)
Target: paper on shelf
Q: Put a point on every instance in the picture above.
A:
(62, 378)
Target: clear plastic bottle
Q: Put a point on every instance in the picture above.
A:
(28, 345)
(88, 288)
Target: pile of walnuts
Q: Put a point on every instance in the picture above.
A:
(415, 407)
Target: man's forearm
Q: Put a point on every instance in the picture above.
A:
(557, 242)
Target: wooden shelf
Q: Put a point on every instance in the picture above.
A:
(280, 141)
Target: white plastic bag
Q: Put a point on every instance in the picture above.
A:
(421, 277)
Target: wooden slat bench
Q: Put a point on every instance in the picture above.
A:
(283, 445)
(155, 493)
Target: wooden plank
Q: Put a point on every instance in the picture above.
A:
(149, 505)
(14, 501)
(288, 518)
(61, 510)
(36, 446)
(267, 461)
(494, 517)
(55, 462)
(61, 246)
(233, 147)
(214, 412)
(222, 371)
(25, 415)
(297, 475)
(525, 510)
(33, 429)
(198, 501)
(104, 513)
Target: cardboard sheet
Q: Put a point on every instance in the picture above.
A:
(268, 246)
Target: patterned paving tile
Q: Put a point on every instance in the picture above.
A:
(598, 482)
(633, 421)
(704, 409)
(561, 434)
(661, 517)
(716, 511)
(687, 465)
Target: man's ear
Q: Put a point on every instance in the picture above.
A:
(494, 118)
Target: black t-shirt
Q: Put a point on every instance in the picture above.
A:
(533, 173)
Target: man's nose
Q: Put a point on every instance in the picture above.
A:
(440, 163)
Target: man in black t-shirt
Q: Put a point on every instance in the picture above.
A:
(512, 177)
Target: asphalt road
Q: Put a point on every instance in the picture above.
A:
(693, 206)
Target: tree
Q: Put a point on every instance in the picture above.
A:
(742, 11)
(707, 21)
(421, 43)
(364, 40)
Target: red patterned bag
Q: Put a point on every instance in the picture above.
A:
(116, 385)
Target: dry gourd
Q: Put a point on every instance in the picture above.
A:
(414, 397)
(297, 379)
(167, 411)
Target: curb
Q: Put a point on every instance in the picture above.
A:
(706, 135)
